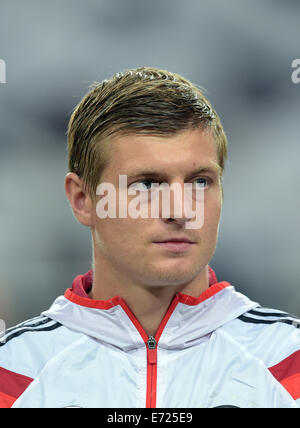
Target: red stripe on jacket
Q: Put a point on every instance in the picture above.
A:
(287, 372)
(12, 385)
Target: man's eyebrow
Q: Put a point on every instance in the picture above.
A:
(144, 172)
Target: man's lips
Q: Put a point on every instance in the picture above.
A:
(176, 239)
(176, 245)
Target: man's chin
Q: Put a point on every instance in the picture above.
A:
(171, 277)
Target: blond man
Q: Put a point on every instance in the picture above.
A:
(150, 325)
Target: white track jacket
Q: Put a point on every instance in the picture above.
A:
(217, 350)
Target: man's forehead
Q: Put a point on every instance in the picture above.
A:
(133, 151)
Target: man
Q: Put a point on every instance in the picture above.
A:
(150, 325)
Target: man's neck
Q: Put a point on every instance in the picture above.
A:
(148, 304)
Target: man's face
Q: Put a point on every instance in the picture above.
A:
(128, 246)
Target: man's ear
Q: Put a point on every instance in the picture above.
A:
(79, 199)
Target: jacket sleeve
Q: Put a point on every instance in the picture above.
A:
(287, 372)
(273, 336)
(12, 386)
(24, 349)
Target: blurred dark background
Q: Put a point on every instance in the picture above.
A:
(239, 51)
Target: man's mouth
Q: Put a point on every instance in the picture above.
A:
(176, 244)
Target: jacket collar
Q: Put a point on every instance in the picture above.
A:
(82, 284)
(187, 321)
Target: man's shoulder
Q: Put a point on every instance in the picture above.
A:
(266, 316)
(273, 337)
(39, 323)
(269, 331)
(24, 350)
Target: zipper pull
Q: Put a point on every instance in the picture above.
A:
(152, 351)
(151, 342)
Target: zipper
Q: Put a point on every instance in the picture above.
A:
(151, 346)
(151, 372)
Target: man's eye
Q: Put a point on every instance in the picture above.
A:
(201, 182)
(145, 185)
(142, 185)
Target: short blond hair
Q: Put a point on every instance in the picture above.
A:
(143, 100)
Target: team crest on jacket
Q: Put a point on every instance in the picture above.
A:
(72, 406)
(226, 406)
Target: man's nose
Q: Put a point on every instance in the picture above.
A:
(176, 204)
